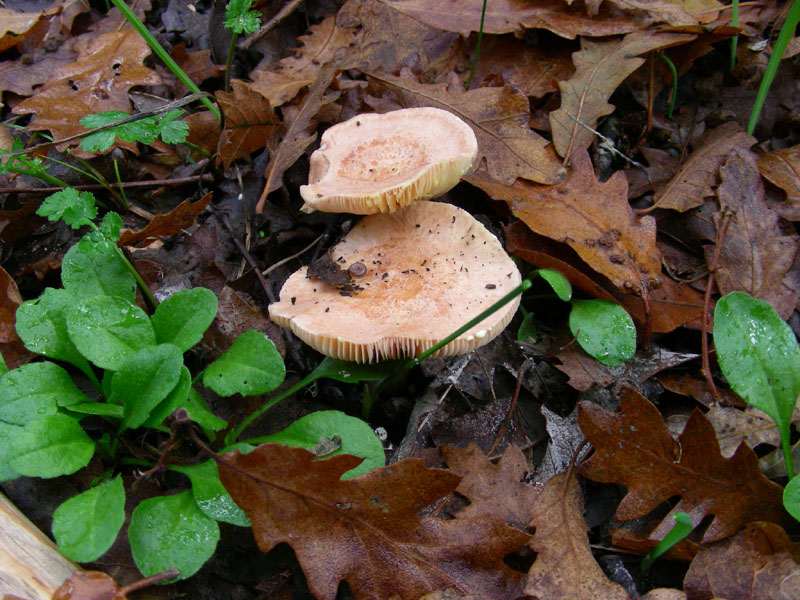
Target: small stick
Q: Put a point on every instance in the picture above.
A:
(283, 261)
(206, 177)
(251, 39)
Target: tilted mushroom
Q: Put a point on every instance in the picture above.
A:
(424, 271)
(377, 163)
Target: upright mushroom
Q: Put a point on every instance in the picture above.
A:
(381, 162)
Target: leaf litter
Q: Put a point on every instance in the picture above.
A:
(565, 122)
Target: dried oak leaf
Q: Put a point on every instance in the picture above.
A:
(782, 168)
(249, 122)
(695, 179)
(755, 564)
(594, 218)
(322, 44)
(493, 489)
(24, 75)
(634, 448)
(172, 223)
(600, 68)
(14, 25)
(498, 116)
(755, 257)
(197, 65)
(367, 530)
(13, 351)
(564, 566)
(98, 81)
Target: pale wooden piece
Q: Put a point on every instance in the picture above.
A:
(30, 564)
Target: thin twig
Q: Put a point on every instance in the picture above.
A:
(251, 39)
(247, 256)
(609, 143)
(274, 266)
(512, 405)
(98, 186)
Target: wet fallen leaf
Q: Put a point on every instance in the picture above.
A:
(88, 585)
(634, 448)
(754, 257)
(493, 489)
(782, 168)
(699, 173)
(594, 218)
(564, 566)
(351, 530)
(600, 68)
(661, 167)
(11, 348)
(13, 25)
(249, 122)
(498, 116)
(756, 564)
(24, 75)
(197, 65)
(98, 81)
(172, 223)
(696, 387)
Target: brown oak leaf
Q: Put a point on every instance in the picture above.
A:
(782, 167)
(564, 566)
(694, 181)
(634, 448)
(367, 530)
(600, 68)
(179, 218)
(11, 348)
(754, 257)
(249, 122)
(498, 116)
(594, 218)
(97, 82)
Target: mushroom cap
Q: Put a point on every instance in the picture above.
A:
(377, 163)
(430, 268)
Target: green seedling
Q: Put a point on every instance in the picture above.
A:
(602, 328)
(135, 362)
(240, 20)
(674, 94)
(146, 130)
(759, 357)
(24, 165)
(477, 48)
(679, 532)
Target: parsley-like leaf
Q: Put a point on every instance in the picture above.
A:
(240, 19)
(75, 208)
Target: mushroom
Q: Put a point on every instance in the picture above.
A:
(424, 271)
(377, 163)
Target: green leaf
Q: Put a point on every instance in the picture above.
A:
(527, 329)
(99, 141)
(357, 438)
(211, 496)
(758, 355)
(171, 531)
(144, 380)
(100, 409)
(110, 226)
(174, 400)
(86, 525)
(791, 497)
(75, 208)
(604, 330)
(251, 366)
(351, 372)
(201, 414)
(3, 366)
(92, 267)
(108, 330)
(183, 318)
(170, 129)
(42, 327)
(7, 434)
(240, 19)
(102, 119)
(49, 447)
(35, 390)
(558, 282)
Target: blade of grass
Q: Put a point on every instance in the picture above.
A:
(734, 39)
(477, 48)
(674, 94)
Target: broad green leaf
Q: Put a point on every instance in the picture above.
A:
(86, 525)
(171, 531)
(558, 282)
(42, 327)
(351, 372)
(35, 390)
(74, 207)
(200, 413)
(49, 447)
(527, 329)
(604, 330)
(108, 330)
(101, 409)
(7, 433)
(211, 496)
(174, 400)
(758, 355)
(791, 497)
(357, 438)
(92, 267)
(183, 318)
(251, 366)
(144, 380)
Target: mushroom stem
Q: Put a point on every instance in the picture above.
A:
(369, 400)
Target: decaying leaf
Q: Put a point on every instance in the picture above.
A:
(11, 348)
(694, 181)
(498, 490)
(755, 564)
(564, 566)
(98, 81)
(249, 123)
(754, 257)
(498, 116)
(634, 448)
(601, 68)
(782, 167)
(179, 218)
(88, 585)
(594, 218)
(13, 25)
(351, 530)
